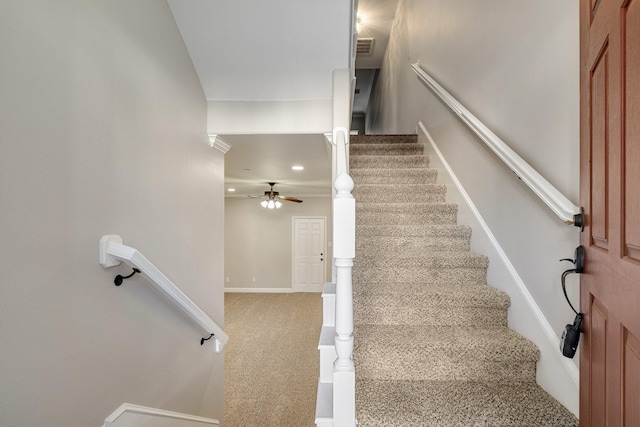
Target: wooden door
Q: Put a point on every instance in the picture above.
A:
(308, 254)
(610, 195)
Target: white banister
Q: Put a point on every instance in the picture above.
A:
(344, 252)
(112, 252)
(553, 198)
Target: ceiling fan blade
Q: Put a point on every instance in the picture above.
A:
(290, 199)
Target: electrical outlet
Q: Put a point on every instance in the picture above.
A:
(227, 279)
(253, 280)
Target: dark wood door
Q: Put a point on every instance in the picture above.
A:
(610, 195)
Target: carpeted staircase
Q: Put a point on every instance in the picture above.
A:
(432, 346)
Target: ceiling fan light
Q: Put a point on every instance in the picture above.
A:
(278, 204)
(271, 204)
(264, 203)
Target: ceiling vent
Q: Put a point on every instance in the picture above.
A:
(364, 47)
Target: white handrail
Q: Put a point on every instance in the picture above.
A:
(553, 198)
(128, 408)
(112, 252)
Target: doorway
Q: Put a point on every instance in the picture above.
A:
(308, 272)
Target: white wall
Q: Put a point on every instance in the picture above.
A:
(516, 66)
(270, 117)
(103, 130)
(258, 242)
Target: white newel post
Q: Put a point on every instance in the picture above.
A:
(344, 214)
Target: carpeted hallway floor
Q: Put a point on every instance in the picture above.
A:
(271, 360)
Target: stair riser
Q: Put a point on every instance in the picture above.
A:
(376, 193)
(416, 367)
(412, 246)
(383, 139)
(445, 261)
(426, 276)
(416, 197)
(429, 316)
(371, 219)
(386, 149)
(401, 231)
(425, 218)
(394, 207)
(427, 297)
(394, 176)
(388, 162)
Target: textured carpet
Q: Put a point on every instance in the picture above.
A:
(271, 360)
(432, 346)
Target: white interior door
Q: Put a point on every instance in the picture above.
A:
(308, 254)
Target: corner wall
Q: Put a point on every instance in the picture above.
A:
(516, 67)
(103, 131)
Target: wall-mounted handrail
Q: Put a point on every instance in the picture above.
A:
(553, 198)
(128, 408)
(112, 252)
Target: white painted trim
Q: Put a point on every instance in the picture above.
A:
(549, 347)
(258, 290)
(112, 252)
(555, 200)
(218, 143)
(128, 408)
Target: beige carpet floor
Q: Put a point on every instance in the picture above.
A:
(271, 360)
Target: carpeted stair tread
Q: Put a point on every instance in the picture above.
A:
(383, 139)
(455, 275)
(435, 294)
(411, 245)
(432, 344)
(395, 176)
(443, 353)
(388, 161)
(423, 193)
(400, 231)
(497, 343)
(444, 259)
(386, 149)
(399, 312)
(462, 304)
(449, 216)
(411, 239)
(457, 403)
(406, 213)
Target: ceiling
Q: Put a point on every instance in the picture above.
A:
(254, 160)
(280, 50)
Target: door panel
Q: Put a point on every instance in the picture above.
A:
(631, 25)
(308, 254)
(610, 195)
(631, 372)
(599, 151)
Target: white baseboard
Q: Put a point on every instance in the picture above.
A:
(259, 290)
(555, 373)
(129, 415)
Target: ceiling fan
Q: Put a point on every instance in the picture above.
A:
(272, 199)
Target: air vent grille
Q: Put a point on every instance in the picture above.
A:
(364, 47)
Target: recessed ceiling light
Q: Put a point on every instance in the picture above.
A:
(297, 168)
(231, 190)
